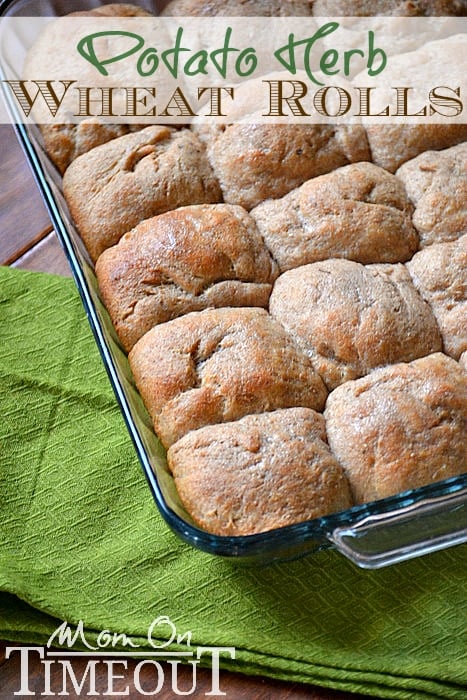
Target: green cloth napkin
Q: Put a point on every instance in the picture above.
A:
(81, 539)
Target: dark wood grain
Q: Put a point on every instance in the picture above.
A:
(27, 241)
(45, 256)
(23, 217)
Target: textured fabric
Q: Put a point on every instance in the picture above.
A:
(81, 539)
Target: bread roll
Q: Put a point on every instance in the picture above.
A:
(400, 427)
(259, 473)
(218, 365)
(436, 182)
(115, 186)
(351, 318)
(189, 259)
(359, 212)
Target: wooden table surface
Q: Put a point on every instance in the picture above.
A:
(27, 240)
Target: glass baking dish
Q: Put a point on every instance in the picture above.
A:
(376, 534)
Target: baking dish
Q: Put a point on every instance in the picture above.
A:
(372, 535)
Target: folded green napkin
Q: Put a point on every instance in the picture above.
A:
(81, 539)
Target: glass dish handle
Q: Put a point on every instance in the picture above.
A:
(419, 528)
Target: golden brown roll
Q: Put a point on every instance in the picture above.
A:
(359, 212)
(237, 8)
(113, 9)
(400, 427)
(436, 182)
(189, 259)
(115, 186)
(259, 473)
(352, 318)
(65, 142)
(439, 272)
(391, 145)
(254, 162)
(218, 365)
(392, 8)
